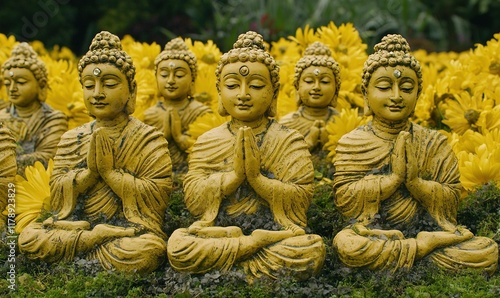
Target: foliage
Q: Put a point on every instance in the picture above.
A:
(433, 25)
(84, 278)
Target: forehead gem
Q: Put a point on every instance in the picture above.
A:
(171, 65)
(97, 71)
(316, 71)
(244, 70)
(397, 73)
(11, 73)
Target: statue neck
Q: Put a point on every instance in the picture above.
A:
(177, 104)
(117, 123)
(26, 112)
(312, 113)
(388, 130)
(257, 126)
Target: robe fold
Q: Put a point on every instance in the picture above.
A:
(362, 158)
(284, 158)
(157, 115)
(141, 155)
(37, 136)
(8, 169)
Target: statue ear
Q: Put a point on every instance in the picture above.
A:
(297, 98)
(42, 94)
(130, 107)
(367, 111)
(222, 111)
(273, 108)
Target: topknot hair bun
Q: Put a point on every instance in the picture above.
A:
(105, 40)
(176, 44)
(23, 50)
(318, 49)
(393, 43)
(250, 39)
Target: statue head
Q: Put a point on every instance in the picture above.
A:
(176, 65)
(393, 51)
(176, 49)
(250, 48)
(23, 58)
(318, 62)
(106, 48)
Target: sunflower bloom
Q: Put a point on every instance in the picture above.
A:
(304, 37)
(205, 123)
(462, 112)
(479, 168)
(346, 121)
(65, 92)
(32, 194)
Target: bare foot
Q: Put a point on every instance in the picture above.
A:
(382, 234)
(104, 232)
(66, 224)
(427, 242)
(265, 237)
(219, 232)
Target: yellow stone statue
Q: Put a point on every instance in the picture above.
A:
(175, 69)
(36, 127)
(250, 180)
(8, 170)
(112, 177)
(317, 81)
(398, 182)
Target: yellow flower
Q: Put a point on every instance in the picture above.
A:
(205, 53)
(489, 120)
(32, 194)
(425, 106)
(285, 50)
(146, 91)
(479, 168)
(346, 121)
(205, 123)
(349, 51)
(462, 112)
(143, 54)
(6, 46)
(204, 86)
(65, 93)
(62, 53)
(304, 37)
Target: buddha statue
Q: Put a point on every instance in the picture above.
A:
(8, 170)
(398, 182)
(112, 177)
(317, 84)
(250, 180)
(175, 69)
(36, 126)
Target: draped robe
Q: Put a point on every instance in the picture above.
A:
(141, 155)
(284, 157)
(8, 168)
(157, 115)
(36, 135)
(361, 159)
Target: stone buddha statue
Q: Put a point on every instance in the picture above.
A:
(36, 127)
(317, 82)
(175, 69)
(112, 177)
(250, 180)
(397, 182)
(8, 170)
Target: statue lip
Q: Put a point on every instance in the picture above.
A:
(99, 103)
(14, 96)
(243, 106)
(396, 107)
(171, 88)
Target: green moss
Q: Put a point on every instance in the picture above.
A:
(82, 278)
